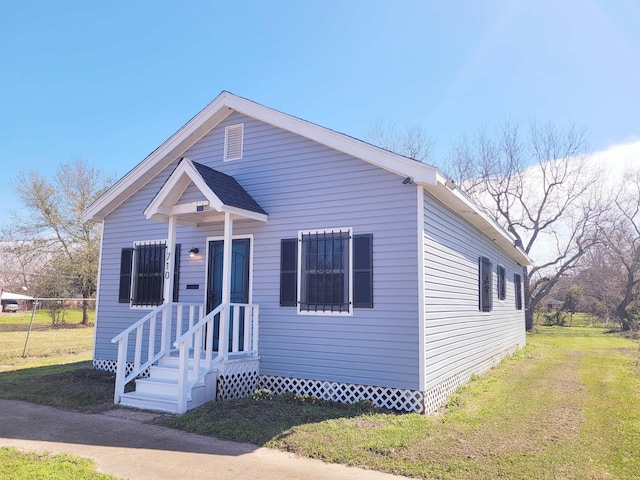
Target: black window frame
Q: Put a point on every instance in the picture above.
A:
(485, 285)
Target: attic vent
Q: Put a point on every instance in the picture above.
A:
(233, 138)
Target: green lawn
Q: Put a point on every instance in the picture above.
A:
(70, 339)
(567, 406)
(19, 465)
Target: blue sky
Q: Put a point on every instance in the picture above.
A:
(111, 80)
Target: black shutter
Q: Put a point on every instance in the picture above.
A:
(126, 262)
(363, 271)
(502, 283)
(517, 282)
(176, 272)
(484, 285)
(289, 272)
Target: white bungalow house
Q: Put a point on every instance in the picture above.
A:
(254, 249)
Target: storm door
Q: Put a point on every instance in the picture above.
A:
(240, 256)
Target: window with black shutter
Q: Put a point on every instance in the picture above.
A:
(142, 274)
(517, 283)
(485, 299)
(324, 275)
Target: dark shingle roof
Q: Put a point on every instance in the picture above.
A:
(228, 189)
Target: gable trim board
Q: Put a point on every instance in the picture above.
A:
(223, 194)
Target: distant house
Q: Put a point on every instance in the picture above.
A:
(255, 249)
(9, 301)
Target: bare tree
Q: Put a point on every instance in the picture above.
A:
(52, 220)
(541, 188)
(614, 273)
(413, 142)
(21, 261)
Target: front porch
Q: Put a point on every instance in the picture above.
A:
(179, 359)
(178, 353)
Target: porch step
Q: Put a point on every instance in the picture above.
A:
(172, 361)
(159, 391)
(170, 372)
(157, 386)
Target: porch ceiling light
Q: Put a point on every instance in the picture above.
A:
(193, 252)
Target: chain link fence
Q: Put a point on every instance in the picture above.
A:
(48, 327)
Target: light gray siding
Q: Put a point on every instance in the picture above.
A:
(302, 185)
(459, 339)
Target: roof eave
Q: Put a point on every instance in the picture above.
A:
(447, 193)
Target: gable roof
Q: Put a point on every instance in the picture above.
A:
(434, 181)
(223, 193)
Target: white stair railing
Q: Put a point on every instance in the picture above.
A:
(148, 328)
(202, 360)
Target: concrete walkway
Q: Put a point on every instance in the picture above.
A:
(122, 445)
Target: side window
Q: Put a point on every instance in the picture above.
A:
(502, 284)
(485, 299)
(517, 283)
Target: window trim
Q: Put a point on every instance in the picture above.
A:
(349, 268)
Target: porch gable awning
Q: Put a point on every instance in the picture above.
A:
(221, 194)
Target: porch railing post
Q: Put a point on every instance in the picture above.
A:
(183, 378)
(167, 312)
(121, 368)
(223, 332)
(255, 317)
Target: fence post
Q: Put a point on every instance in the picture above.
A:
(33, 313)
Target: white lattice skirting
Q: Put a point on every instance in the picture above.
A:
(392, 398)
(111, 365)
(238, 378)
